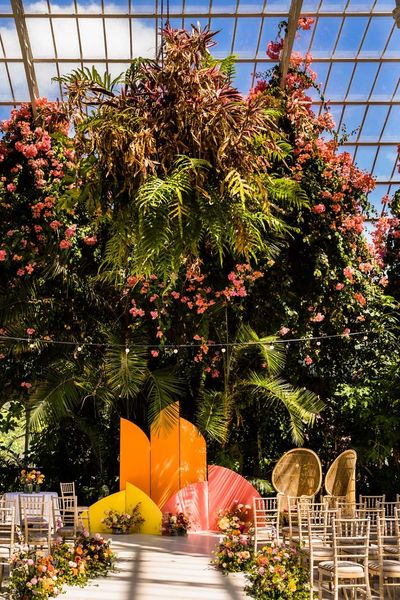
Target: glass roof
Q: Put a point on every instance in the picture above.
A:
(355, 45)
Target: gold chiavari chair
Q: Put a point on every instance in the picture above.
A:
(68, 490)
(36, 528)
(7, 537)
(266, 520)
(65, 516)
(387, 565)
(348, 570)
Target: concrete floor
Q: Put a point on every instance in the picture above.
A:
(169, 568)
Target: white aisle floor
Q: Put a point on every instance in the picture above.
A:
(167, 568)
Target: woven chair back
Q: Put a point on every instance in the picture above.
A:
(298, 473)
(340, 479)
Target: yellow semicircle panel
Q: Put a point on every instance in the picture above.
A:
(148, 509)
(96, 511)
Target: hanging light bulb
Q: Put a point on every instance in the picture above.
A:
(271, 346)
(79, 348)
(127, 350)
(31, 345)
(175, 350)
(318, 343)
(223, 350)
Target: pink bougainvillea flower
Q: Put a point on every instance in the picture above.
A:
(3, 255)
(339, 286)
(319, 209)
(90, 240)
(360, 298)
(154, 314)
(154, 353)
(65, 244)
(70, 231)
(11, 187)
(30, 331)
(283, 331)
(346, 331)
(308, 360)
(318, 318)
(305, 23)
(348, 272)
(26, 385)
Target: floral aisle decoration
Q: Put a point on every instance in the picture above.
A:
(31, 480)
(33, 575)
(236, 519)
(97, 553)
(71, 566)
(235, 550)
(177, 524)
(123, 522)
(277, 573)
(234, 553)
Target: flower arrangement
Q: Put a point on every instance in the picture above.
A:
(234, 553)
(97, 553)
(71, 566)
(33, 575)
(277, 573)
(177, 524)
(235, 519)
(30, 479)
(123, 522)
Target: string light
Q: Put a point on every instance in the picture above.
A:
(223, 346)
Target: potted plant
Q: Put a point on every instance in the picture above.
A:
(120, 522)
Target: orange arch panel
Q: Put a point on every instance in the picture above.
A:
(134, 466)
(165, 452)
(193, 455)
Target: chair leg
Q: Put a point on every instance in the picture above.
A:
(335, 588)
(1, 575)
(320, 579)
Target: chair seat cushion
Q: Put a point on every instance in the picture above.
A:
(391, 549)
(390, 567)
(345, 569)
(320, 552)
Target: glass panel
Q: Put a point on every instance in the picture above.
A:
(224, 37)
(386, 161)
(243, 77)
(325, 36)
(35, 7)
(247, 33)
(66, 37)
(250, 6)
(365, 157)
(175, 6)
(116, 69)
(373, 124)
(375, 197)
(383, 6)
(67, 68)
(302, 40)
(333, 6)
(349, 149)
(92, 38)
(352, 119)
(278, 6)
(363, 79)
(269, 31)
(143, 6)
(393, 48)
(89, 6)
(321, 70)
(387, 81)
(115, 6)
(40, 37)
(223, 6)
(377, 36)
(143, 38)
(196, 6)
(391, 133)
(310, 6)
(9, 37)
(5, 6)
(202, 21)
(5, 91)
(62, 6)
(18, 81)
(44, 74)
(360, 5)
(339, 79)
(118, 38)
(5, 112)
(351, 36)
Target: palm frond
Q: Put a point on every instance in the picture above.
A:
(213, 415)
(162, 390)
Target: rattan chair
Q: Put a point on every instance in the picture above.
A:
(7, 537)
(297, 473)
(340, 479)
(266, 520)
(387, 565)
(349, 568)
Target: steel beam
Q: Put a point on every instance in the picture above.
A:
(26, 51)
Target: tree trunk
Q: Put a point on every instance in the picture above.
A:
(27, 432)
